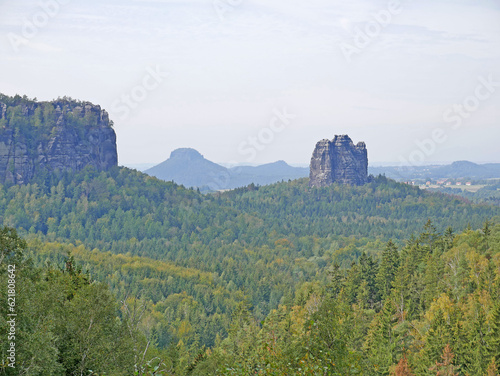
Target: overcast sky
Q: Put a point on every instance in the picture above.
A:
(256, 81)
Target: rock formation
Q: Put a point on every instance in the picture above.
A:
(338, 161)
(53, 136)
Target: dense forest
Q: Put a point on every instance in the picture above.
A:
(277, 280)
(428, 308)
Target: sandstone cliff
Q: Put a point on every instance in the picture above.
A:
(53, 136)
(338, 161)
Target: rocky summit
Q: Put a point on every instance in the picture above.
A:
(39, 137)
(338, 161)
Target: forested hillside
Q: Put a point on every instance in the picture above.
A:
(428, 308)
(126, 211)
(262, 240)
(206, 273)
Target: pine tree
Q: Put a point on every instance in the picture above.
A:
(352, 283)
(448, 238)
(387, 270)
(493, 336)
(477, 347)
(432, 277)
(439, 335)
(459, 336)
(429, 237)
(368, 271)
(337, 280)
(486, 235)
(400, 292)
(380, 342)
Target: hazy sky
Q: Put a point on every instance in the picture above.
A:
(256, 81)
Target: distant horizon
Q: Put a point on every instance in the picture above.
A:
(146, 165)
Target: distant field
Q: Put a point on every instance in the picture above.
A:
(468, 188)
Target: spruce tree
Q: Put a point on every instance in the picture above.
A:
(486, 235)
(380, 342)
(477, 348)
(387, 270)
(493, 336)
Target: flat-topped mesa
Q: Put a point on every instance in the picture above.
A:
(187, 154)
(339, 161)
(62, 135)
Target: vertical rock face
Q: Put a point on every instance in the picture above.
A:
(53, 136)
(338, 161)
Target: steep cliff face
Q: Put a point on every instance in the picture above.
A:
(53, 136)
(339, 161)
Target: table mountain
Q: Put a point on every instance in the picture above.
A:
(61, 135)
(188, 167)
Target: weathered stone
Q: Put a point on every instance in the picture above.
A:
(65, 148)
(338, 161)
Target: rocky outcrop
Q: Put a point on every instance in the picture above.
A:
(338, 161)
(53, 136)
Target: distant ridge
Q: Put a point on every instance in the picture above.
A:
(456, 170)
(188, 167)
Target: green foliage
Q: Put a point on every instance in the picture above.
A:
(65, 323)
(288, 232)
(451, 334)
(11, 249)
(387, 269)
